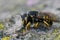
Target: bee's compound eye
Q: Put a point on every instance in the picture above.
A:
(34, 13)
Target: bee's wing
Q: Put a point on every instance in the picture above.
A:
(54, 17)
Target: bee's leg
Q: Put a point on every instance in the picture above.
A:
(46, 24)
(36, 25)
(28, 25)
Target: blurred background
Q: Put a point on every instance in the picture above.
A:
(11, 7)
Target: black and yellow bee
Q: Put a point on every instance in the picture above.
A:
(37, 19)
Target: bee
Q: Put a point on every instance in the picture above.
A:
(38, 19)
